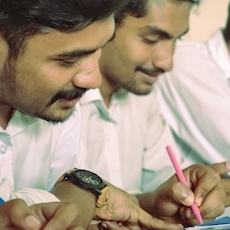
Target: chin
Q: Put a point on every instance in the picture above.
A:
(141, 91)
(57, 118)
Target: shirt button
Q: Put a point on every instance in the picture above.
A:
(3, 149)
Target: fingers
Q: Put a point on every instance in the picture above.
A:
(213, 204)
(125, 208)
(182, 195)
(202, 179)
(221, 168)
(150, 222)
(17, 214)
(94, 226)
(110, 225)
(155, 225)
(209, 194)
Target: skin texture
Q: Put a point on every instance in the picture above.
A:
(134, 219)
(16, 214)
(56, 65)
(171, 201)
(45, 81)
(143, 48)
(222, 169)
(204, 188)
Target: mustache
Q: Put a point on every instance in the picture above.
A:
(152, 72)
(69, 95)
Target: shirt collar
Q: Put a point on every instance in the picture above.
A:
(19, 122)
(90, 96)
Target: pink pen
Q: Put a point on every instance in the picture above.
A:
(182, 179)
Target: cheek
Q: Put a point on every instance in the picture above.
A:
(137, 51)
(32, 81)
(56, 75)
(47, 74)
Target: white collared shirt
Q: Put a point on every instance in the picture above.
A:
(126, 142)
(195, 98)
(35, 153)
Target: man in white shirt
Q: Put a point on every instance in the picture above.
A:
(121, 121)
(194, 96)
(122, 130)
(48, 59)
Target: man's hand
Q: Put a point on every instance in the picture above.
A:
(223, 168)
(15, 214)
(172, 199)
(124, 209)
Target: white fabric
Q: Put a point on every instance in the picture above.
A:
(126, 142)
(34, 196)
(195, 98)
(35, 153)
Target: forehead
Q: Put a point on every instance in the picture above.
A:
(56, 42)
(170, 16)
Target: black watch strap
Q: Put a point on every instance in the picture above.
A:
(102, 193)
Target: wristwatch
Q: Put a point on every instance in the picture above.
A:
(89, 181)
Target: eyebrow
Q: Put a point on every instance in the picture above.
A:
(75, 53)
(83, 52)
(156, 31)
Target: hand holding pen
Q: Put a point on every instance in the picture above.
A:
(182, 179)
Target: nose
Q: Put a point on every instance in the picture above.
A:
(89, 75)
(163, 55)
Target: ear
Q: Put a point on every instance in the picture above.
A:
(4, 51)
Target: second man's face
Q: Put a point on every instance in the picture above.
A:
(143, 47)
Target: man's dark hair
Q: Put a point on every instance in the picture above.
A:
(20, 19)
(138, 8)
(227, 27)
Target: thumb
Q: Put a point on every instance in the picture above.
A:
(16, 213)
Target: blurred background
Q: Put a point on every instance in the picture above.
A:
(206, 18)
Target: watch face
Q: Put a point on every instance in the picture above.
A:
(88, 177)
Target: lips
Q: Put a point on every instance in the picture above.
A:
(69, 103)
(152, 73)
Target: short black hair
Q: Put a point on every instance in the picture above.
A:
(227, 27)
(138, 8)
(20, 19)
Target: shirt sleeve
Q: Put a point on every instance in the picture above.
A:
(34, 196)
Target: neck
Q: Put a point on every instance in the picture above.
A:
(107, 89)
(5, 114)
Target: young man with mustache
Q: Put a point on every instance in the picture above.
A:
(124, 134)
(48, 59)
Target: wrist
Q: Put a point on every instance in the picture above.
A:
(88, 181)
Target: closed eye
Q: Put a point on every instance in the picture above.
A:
(68, 64)
(150, 41)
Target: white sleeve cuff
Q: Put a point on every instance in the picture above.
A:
(134, 192)
(34, 196)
